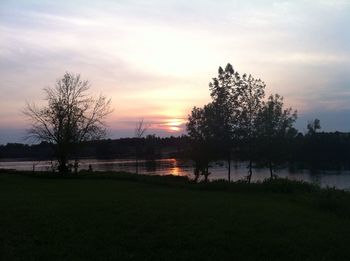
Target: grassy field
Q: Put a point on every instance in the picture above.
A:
(45, 218)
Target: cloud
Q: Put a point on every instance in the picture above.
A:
(157, 57)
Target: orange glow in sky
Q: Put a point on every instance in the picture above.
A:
(155, 59)
(174, 125)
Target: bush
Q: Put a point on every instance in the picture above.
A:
(335, 201)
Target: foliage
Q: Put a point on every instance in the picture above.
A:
(199, 128)
(248, 99)
(231, 117)
(223, 120)
(275, 132)
(313, 126)
(69, 118)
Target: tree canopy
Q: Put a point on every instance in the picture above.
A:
(239, 119)
(70, 117)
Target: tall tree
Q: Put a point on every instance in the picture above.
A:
(201, 138)
(233, 112)
(247, 98)
(223, 120)
(70, 117)
(275, 129)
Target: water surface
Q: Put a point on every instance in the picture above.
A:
(338, 179)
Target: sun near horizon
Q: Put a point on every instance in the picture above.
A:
(156, 63)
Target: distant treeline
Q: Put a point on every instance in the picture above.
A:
(323, 150)
(148, 147)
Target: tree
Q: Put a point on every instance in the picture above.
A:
(201, 139)
(275, 128)
(313, 126)
(70, 117)
(247, 98)
(313, 143)
(237, 100)
(140, 131)
(230, 120)
(223, 120)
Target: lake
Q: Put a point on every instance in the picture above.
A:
(338, 179)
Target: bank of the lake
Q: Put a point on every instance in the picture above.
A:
(114, 216)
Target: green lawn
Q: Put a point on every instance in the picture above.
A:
(111, 219)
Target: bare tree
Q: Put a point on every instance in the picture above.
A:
(140, 131)
(70, 117)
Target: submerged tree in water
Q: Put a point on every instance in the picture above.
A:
(237, 100)
(199, 131)
(247, 99)
(275, 130)
(223, 117)
(229, 120)
(70, 117)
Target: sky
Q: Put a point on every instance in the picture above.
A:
(155, 58)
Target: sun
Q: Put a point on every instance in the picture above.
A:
(174, 128)
(174, 125)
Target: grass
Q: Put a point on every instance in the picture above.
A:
(128, 217)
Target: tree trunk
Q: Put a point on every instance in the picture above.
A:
(196, 173)
(62, 158)
(250, 160)
(137, 159)
(62, 167)
(206, 173)
(137, 165)
(271, 171)
(76, 166)
(229, 166)
(250, 171)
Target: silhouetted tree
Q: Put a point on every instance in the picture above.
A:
(237, 100)
(274, 126)
(314, 144)
(140, 131)
(313, 126)
(200, 134)
(231, 117)
(70, 117)
(247, 98)
(223, 121)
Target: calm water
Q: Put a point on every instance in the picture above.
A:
(338, 179)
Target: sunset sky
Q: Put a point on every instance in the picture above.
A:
(155, 58)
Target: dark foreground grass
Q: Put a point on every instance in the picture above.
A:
(139, 218)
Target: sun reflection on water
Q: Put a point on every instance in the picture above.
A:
(175, 170)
